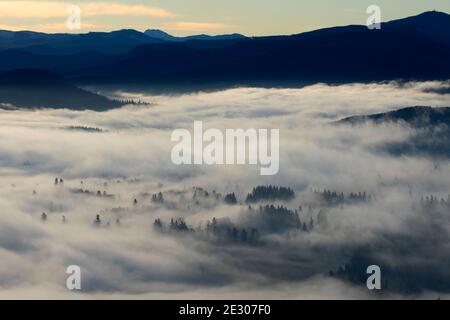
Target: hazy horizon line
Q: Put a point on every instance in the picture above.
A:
(141, 30)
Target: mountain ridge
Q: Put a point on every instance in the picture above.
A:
(332, 55)
(160, 34)
(405, 49)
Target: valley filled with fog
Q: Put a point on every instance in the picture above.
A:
(99, 190)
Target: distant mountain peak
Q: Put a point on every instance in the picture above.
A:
(159, 34)
(433, 13)
(424, 17)
(162, 35)
(434, 24)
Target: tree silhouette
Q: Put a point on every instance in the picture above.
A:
(97, 221)
(261, 193)
(230, 199)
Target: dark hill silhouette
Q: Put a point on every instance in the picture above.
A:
(159, 34)
(21, 39)
(433, 24)
(417, 117)
(428, 131)
(43, 89)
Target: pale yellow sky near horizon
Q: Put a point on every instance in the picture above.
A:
(182, 17)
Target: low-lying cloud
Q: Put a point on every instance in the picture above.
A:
(129, 158)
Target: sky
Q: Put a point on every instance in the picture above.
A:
(181, 17)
